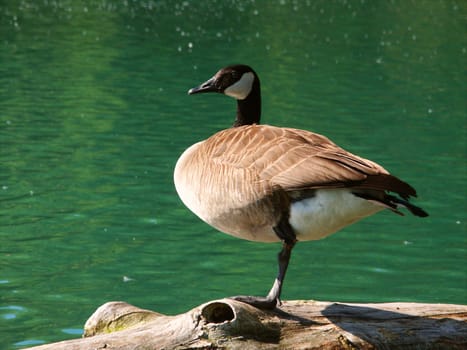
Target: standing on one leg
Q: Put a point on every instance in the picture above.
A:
(267, 184)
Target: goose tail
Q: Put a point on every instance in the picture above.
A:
(417, 211)
(393, 203)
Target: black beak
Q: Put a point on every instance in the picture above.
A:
(207, 86)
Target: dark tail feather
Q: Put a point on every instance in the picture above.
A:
(387, 182)
(417, 211)
(392, 203)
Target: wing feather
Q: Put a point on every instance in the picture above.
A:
(295, 160)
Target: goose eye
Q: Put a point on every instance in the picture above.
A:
(227, 79)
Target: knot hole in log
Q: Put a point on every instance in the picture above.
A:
(217, 312)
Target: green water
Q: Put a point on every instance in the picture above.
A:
(94, 114)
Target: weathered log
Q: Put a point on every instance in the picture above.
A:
(229, 324)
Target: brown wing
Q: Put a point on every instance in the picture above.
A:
(297, 159)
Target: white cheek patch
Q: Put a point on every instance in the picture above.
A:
(242, 88)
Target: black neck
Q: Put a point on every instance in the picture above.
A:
(249, 109)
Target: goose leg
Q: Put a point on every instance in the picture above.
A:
(287, 235)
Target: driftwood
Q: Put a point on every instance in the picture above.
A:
(229, 324)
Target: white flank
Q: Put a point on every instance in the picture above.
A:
(327, 212)
(242, 88)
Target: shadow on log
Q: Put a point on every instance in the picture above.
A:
(229, 324)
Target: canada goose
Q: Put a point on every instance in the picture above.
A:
(265, 183)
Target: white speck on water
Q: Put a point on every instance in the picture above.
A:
(458, 222)
(4, 187)
(31, 193)
(379, 60)
(407, 243)
(430, 111)
(380, 270)
(152, 221)
(190, 45)
(127, 279)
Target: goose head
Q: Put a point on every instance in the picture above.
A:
(240, 82)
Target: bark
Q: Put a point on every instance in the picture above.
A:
(229, 324)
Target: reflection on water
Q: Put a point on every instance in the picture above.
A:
(94, 114)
